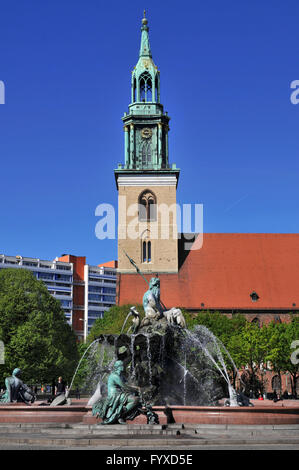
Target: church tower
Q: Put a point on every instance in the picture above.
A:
(146, 183)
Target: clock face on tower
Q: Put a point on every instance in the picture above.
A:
(146, 133)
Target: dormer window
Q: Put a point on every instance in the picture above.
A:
(254, 296)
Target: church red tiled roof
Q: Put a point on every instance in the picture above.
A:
(232, 271)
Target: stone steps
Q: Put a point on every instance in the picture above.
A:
(146, 427)
(117, 442)
(76, 435)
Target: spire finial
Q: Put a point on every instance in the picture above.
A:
(144, 20)
(145, 50)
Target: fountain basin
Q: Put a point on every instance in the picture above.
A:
(20, 413)
(281, 413)
(235, 415)
(267, 412)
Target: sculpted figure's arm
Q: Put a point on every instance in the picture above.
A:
(8, 389)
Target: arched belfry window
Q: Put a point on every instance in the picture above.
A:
(147, 206)
(156, 91)
(134, 90)
(145, 84)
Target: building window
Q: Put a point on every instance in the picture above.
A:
(146, 153)
(62, 267)
(45, 276)
(63, 277)
(276, 383)
(146, 251)
(108, 290)
(109, 298)
(149, 251)
(254, 296)
(147, 206)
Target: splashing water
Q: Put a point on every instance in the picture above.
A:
(124, 324)
(182, 366)
(103, 363)
(132, 349)
(85, 352)
(149, 355)
(204, 339)
(184, 379)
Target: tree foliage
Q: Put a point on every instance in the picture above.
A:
(34, 330)
(113, 321)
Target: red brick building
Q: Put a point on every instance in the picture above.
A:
(254, 274)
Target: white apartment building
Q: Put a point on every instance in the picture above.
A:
(100, 293)
(56, 275)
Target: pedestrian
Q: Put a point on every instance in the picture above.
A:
(277, 398)
(60, 387)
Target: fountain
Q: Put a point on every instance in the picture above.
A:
(169, 365)
(183, 374)
(172, 365)
(155, 370)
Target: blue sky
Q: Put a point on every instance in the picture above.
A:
(226, 69)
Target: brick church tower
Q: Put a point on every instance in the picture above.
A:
(146, 183)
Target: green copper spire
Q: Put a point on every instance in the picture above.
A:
(146, 125)
(145, 76)
(145, 48)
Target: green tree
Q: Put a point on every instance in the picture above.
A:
(113, 321)
(291, 354)
(281, 354)
(34, 330)
(254, 344)
(278, 347)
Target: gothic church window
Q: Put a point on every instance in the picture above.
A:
(147, 206)
(146, 251)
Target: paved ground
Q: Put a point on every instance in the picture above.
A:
(251, 447)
